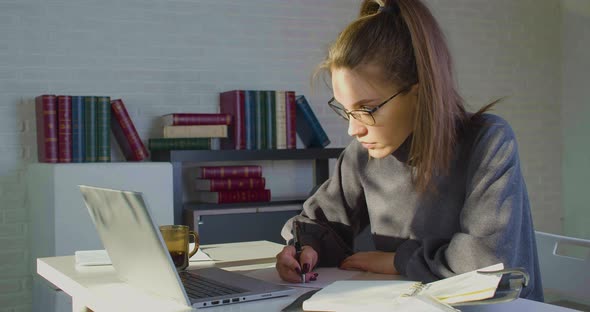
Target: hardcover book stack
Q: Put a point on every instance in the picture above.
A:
(231, 184)
(76, 129)
(270, 120)
(191, 131)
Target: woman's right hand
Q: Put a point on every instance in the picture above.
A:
(290, 268)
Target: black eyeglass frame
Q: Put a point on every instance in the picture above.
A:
(337, 109)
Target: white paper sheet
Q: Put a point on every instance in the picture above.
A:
(199, 256)
(101, 257)
(326, 276)
(375, 296)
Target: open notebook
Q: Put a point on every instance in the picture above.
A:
(354, 295)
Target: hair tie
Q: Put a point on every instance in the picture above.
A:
(394, 9)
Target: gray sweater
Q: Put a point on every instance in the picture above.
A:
(479, 216)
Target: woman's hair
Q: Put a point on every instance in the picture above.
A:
(403, 38)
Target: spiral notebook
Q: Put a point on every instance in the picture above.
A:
(475, 287)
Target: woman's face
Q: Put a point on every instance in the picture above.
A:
(394, 121)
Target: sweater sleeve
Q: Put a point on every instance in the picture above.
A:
(335, 213)
(491, 220)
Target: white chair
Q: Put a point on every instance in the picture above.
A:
(565, 269)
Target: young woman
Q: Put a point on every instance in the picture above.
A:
(440, 188)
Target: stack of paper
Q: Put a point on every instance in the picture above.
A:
(101, 257)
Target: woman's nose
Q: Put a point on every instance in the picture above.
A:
(356, 128)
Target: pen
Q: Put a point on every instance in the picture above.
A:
(297, 246)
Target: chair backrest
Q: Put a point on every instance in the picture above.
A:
(565, 274)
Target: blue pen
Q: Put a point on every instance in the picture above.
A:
(297, 247)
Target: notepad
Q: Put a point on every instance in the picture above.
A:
(386, 295)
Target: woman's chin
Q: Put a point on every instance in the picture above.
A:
(379, 152)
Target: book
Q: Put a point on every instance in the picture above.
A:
(250, 99)
(393, 295)
(160, 144)
(78, 129)
(271, 136)
(240, 196)
(308, 127)
(46, 120)
(261, 115)
(125, 133)
(281, 120)
(103, 126)
(64, 128)
(194, 119)
(204, 131)
(231, 184)
(90, 152)
(290, 120)
(217, 172)
(232, 103)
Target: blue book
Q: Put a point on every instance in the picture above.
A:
(308, 126)
(78, 129)
(250, 118)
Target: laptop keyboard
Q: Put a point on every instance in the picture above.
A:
(198, 287)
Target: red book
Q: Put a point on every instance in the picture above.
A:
(232, 103)
(217, 172)
(193, 119)
(291, 120)
(46, 115)
(125, 133)
(233, 184)
(227, 197)
(64, 130)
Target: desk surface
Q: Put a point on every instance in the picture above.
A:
(95, 287)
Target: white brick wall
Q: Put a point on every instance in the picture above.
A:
(512, 48)
(575, 113)
(176, 55)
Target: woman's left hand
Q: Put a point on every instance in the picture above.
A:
(371, 261)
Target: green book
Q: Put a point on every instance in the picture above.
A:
(90, 129)
(271, 120)
(103, 125)
(261, 141)
(163, 144)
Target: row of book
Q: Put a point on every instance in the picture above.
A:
(76, 129)
(248, 120)
(270, 120)
(231, 184)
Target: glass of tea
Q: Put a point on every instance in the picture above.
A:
(177, 238)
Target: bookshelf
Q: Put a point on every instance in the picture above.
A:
(320, 158)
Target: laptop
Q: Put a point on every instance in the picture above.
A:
(140, 257)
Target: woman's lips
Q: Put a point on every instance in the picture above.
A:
(368, 145)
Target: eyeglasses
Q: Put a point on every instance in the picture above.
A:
(363, 115)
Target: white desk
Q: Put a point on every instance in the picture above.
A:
(95, 287)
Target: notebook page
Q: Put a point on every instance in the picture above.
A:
(357, 296)
(465, 287)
